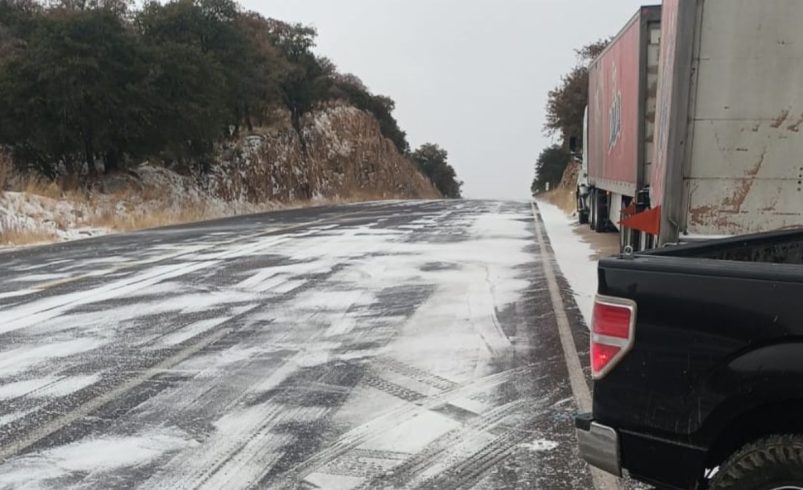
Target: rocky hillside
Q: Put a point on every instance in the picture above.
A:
(339, 153)
(564, 195)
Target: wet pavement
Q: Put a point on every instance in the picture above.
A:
(393, 345)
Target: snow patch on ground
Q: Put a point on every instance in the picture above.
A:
(411, 436)
(193, 330)
(67, 386)
(540, 445)
(21, 388)
(92, 456)
(22, 358)
(575, 258)
(11, 417)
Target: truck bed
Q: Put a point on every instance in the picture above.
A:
(783, 247)
(709, 316)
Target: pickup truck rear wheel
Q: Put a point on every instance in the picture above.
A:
(774, 463)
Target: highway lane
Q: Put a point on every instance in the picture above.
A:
(404, 345)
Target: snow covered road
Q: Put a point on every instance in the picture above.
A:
(404, 345)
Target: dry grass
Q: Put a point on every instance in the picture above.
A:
(149, 193)
(363, 196)
(147, 209)
(5, 171)
(354, 197)
(40, 186)
(140, 219)
(561, 197)
(17, 238)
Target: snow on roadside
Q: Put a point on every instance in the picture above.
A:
(61, 219)
(575, 257)
(158, 196)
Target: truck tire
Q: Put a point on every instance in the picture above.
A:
(582, 208)
(775, 462)
(592, 199)
(600, 220)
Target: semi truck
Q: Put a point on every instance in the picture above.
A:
(618, 148)
(725, 145)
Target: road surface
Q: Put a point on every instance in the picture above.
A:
(402, 345)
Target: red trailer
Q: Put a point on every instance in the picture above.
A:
(623, 83)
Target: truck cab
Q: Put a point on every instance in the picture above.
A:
(583, 184)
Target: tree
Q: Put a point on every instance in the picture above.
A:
(117, 7)
(90, 81)
(566, 103)
(186, 103)
(432, 161)
(239, 43)
(549, 168)
(261, 84)
(66, 96)
(350, 88)
(309, 79)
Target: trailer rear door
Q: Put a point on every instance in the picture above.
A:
(745, 170)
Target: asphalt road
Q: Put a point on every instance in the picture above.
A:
(401, 345)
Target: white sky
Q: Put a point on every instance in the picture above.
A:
(470, 75)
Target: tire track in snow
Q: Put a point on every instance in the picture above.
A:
(391, 388)
(245, 449)
(363, 463)
(441, 447)
(33, 313)
(415, 373)
(468, 472)
(87, 408)
(390, 419)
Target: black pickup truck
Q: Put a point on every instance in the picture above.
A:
(697, 359)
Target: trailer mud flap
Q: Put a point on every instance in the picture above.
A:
(648, 221)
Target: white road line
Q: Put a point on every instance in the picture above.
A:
(577, 379)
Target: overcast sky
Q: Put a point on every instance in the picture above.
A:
(470, 75)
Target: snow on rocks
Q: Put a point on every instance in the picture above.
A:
(29, 213)
(338, 153)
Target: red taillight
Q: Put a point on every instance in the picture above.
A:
(601, 356)
(612, 333)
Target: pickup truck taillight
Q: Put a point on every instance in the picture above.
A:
(612, 333)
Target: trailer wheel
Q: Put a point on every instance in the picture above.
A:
(773, 463)
(598, 220)
(582, 217)
(592, 197)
